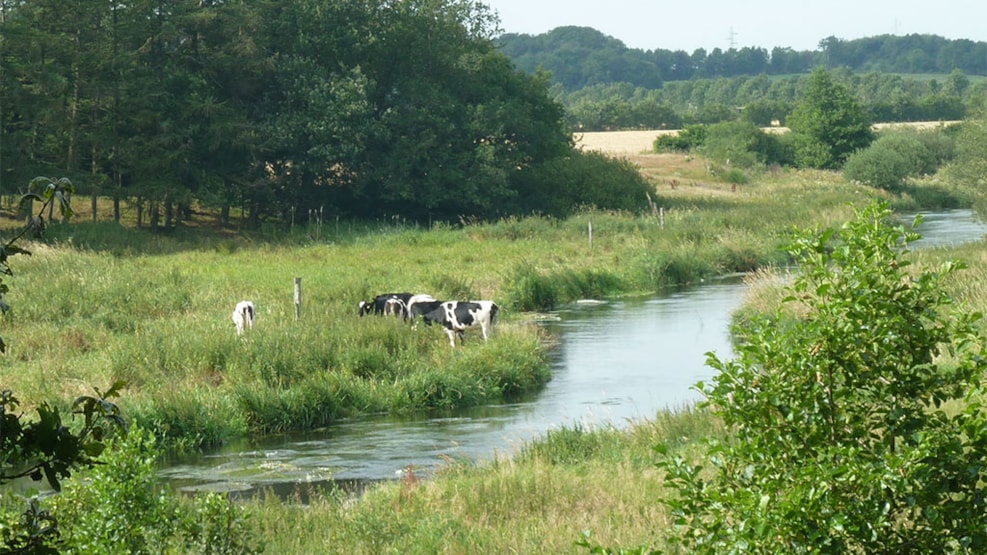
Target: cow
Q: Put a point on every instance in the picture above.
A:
(419, 305)
(377, 304)
(402, 308)
(456, 316)
(243, 316)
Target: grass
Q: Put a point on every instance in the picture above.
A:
(541, 501)
(103, 302)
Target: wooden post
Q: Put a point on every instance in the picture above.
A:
(298, 298)
(661, 217)
(590, 234)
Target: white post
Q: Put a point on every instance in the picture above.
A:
(590, 234)
(298, 298)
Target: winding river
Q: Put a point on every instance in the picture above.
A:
(617, 362)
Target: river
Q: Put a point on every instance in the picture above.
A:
(617, 361)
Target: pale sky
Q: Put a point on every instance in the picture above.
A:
(691, 24)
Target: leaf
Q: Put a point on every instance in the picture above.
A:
(52, 477)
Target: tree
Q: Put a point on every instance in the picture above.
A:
(840, 438)
(969, 168)
(828, 124)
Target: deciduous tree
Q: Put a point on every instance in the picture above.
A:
(827, 124)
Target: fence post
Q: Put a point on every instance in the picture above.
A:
(298, 298)
(590, 227)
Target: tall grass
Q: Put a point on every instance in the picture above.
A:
(104, 302)
(542, 500)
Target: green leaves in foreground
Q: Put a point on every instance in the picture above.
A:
(841, 440)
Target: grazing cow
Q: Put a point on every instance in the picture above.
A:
(243, 316)
(456, 316)
(419, 305)
(376, 305)
(395, 307)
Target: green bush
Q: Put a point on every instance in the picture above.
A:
(741, 144)
(896, 156)
(562, 186)
(120, 507)
(690, 137)
(849, 433)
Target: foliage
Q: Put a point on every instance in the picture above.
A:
(741, 144)
(843, 439)
(896, 156)
(271, 109)
(969, 167)
(562, 186)
(690, 137)
(121, 507)
(580, 57)
(45, 448)
(828, 124)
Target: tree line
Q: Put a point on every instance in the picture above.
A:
(766, 101)
(606, 86)
(579, 57)
(271, 109)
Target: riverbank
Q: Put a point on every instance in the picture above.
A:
(158, 318)
(576, 480)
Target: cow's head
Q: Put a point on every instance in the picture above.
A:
(365, 307)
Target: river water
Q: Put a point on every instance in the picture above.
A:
(616, 362)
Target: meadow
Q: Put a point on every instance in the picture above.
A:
(100, 302)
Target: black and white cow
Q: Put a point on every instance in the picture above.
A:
(244, 315)
(457, 316)
(377, 304)
(420, 305)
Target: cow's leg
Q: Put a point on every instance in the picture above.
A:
(452, 338)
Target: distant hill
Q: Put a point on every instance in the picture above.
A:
(579, 57)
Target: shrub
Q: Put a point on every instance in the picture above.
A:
(741, 144)
(562, 186)
(841, 440)
(690, 137)
(896, 156)
(122, 508)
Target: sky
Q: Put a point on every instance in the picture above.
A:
(691, 24)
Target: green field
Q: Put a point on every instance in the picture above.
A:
(103, 302)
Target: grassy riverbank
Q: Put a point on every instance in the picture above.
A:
(153, 310)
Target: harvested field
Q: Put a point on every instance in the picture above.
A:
(640, 141)
(621, 142)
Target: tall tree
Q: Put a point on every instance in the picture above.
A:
(827, 124)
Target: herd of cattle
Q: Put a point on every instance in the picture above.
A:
(454, 316)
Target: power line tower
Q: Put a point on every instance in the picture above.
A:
(731, 38)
